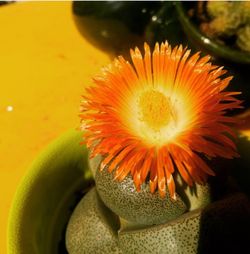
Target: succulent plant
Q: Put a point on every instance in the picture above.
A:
(246, 11)
(151, 126)
(228, 21)
(243, 38)
(216, 9)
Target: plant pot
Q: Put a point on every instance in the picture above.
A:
(113, 26)
(46, 197)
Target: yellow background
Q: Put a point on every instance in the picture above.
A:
(44, 66)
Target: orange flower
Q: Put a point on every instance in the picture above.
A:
(158, 115)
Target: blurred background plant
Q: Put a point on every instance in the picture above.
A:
(228, 22)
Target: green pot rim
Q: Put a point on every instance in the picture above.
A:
(62, 166)
(216, 49)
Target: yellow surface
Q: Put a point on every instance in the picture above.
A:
(44, 65)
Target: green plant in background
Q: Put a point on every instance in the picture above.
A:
(229, 21)
(243, 38)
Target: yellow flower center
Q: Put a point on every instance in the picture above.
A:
(155, 109)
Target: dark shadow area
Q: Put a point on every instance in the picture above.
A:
(240, 167)
(224, 226)
(75, 199)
